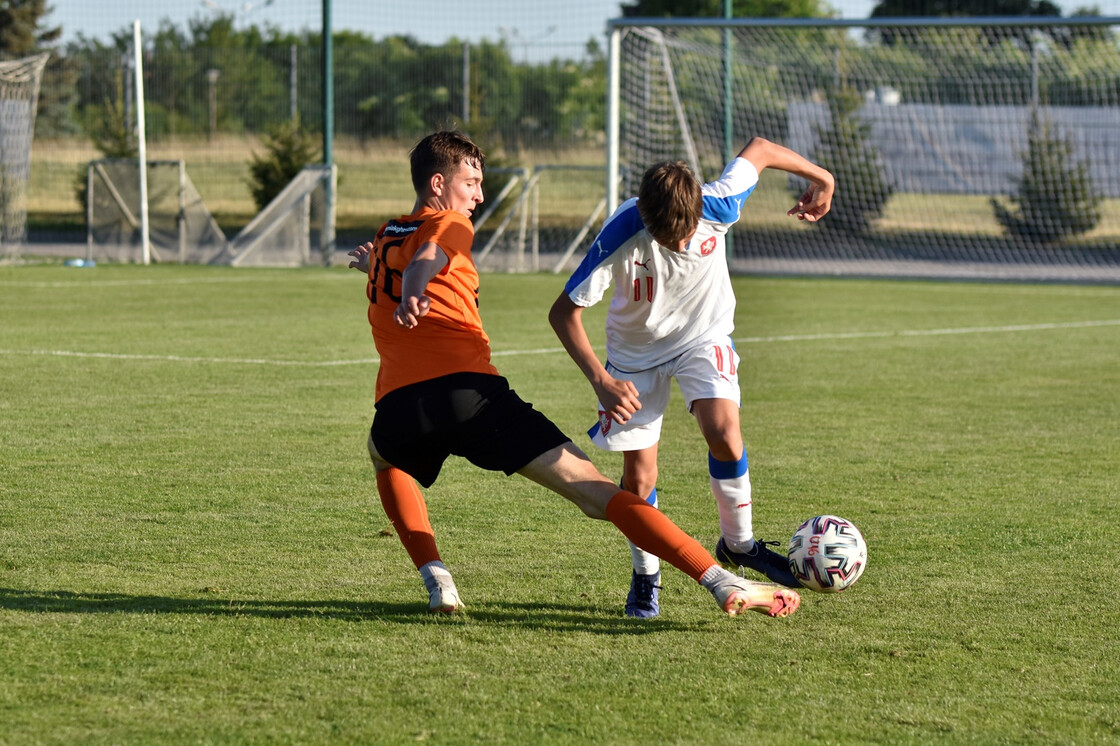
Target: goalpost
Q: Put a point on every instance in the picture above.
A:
(530, 237)
(179, 226)
(19, 98)
(931, 126)
(295, 229)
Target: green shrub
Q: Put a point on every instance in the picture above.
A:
(844, 148)
(288, 148)
(1055, 195)
(112, 134)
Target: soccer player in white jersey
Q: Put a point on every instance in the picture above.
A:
(671, 316)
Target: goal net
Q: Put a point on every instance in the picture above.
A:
(181, 229)
(296, 228)
(960, 148)
(19, 98)
(527, 226)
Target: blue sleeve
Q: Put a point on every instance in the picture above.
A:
(616, 232)
(723, 199)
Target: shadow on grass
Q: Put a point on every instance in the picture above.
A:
(533, 616)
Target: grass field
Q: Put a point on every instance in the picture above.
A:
(191, 548)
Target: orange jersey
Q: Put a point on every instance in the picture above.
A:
(449, 339)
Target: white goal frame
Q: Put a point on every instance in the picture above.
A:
(290, 214)
(179, 228)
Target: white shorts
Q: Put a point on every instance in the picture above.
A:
(708, 371)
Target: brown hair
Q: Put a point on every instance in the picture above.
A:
(670, 202)
(441, 153)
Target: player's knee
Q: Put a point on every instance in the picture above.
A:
(724, 451)
(592, 509)
(641, 484)
(379, 463)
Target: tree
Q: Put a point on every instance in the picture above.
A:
(949, 8)
(845, 148)
(111, 130)
(20, 33)
(1055, 195)
(714, 9)
(969, 8)
(287, 150)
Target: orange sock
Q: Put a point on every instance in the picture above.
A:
(407, 511)
(651, 530)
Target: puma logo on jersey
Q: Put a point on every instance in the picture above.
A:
(644, 265)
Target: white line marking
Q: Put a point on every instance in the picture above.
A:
(188, 359)
(556, 350)
(170, 281)
(932, 332)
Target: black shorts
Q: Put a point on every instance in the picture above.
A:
(473, 415)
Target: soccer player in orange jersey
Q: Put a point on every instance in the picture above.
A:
(438, 394)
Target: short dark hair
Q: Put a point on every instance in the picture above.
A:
(441, 153)
(670, 202)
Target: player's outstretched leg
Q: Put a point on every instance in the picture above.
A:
(736, 595)
(760, 559)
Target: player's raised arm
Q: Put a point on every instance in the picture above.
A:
(815, 203)
(426, 263)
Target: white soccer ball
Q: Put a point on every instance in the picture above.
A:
(827, 554)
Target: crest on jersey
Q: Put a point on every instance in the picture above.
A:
(604, 422)
(708, 246)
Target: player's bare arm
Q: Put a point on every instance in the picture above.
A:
(619, 398)
(426, 263)
(815, 203)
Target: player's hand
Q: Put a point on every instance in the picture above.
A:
(814, 203)
(361, 257)
(619, 399)
(411, 310)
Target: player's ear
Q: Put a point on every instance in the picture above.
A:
(436, 184)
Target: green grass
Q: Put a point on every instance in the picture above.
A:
(191, 548)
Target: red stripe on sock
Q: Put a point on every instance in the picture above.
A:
(651, 530)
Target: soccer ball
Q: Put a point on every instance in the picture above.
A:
(827, 554)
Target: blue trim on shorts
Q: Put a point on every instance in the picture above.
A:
(609, 366)
(727, 469)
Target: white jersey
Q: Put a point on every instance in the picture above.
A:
(664, 302)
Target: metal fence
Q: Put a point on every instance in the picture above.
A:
(542, 104)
